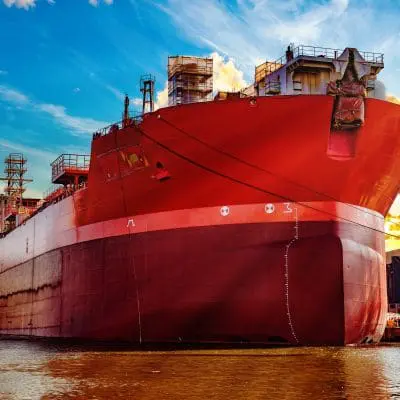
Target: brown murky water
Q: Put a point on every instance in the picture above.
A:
(32, 370)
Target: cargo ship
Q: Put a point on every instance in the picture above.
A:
(254, 216)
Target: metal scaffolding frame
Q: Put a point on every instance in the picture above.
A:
(190, 79)
(15, 170)
(12, 203)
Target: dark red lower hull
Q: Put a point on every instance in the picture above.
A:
(229, 283)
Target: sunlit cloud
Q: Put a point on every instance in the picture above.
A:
(162, 97)
(393, 99)
(227, 77)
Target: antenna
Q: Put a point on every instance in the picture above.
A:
(147, 88)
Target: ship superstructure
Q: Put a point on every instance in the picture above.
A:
(241, 220)
(309, 69)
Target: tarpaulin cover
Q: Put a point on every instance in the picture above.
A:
(361, 66)
(351, 89)
(349, 111)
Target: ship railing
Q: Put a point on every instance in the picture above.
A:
(10, 210)
(185, 85)
(313, 51)
(190, 65)
(268, 68)
(18, 210)
(75, 162)
(53, 192)
(273, 87)
(190, 69)
(26, 210)
(16, 215)
(116, 126)
(58, 192)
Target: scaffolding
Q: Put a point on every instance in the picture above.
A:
(15, 170)
(12, 203)
(190, 80)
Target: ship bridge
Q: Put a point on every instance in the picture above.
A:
(309, 69)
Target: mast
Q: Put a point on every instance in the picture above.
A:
(125, 118)
(147, 88)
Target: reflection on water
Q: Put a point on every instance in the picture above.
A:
(31, 370)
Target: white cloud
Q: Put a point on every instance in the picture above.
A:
(137, 101)
(95, 3)
(307, 26)
(216, 27)
(13, 96)
(58, 112)
(117, 93)
(162, 97)
(261, 29)
(227, 77)
(244, 34)
(25, 4)
(47, 155)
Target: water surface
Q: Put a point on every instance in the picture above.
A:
(35, 370)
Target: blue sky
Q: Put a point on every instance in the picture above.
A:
(65, 64)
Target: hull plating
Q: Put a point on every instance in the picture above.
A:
(222, 283)
(135, 258)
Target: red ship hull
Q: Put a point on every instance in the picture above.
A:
(266, 232)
